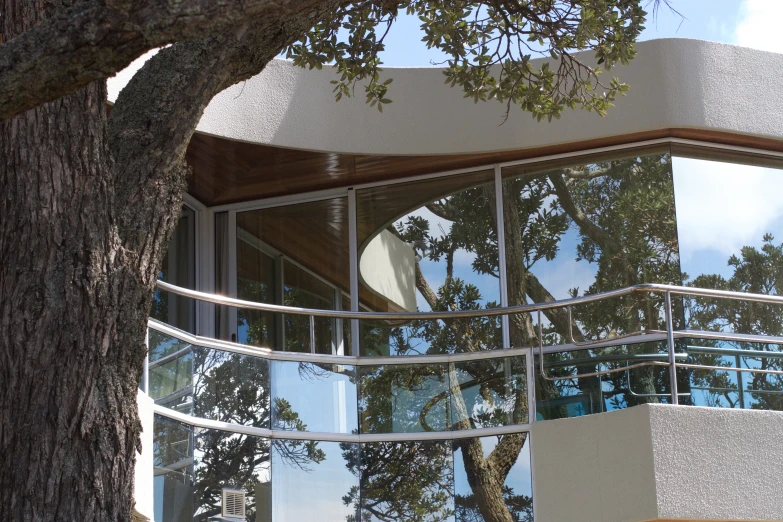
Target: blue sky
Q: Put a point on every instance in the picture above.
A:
(750, 23)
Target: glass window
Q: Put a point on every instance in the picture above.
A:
(314, 397)
(230, 387)
(178, 268)
(172, 471)
(170, 372)
(488, 393)
(295, 255)
(257, 281)
(405, 481)
(429, 245)
(314, 481)
(224, 460)
(403, 398)
(501, 491)
(730, 225)
(581, 228)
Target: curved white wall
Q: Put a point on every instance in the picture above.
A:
(674, 83)
(388, 267)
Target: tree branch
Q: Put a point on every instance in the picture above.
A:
(590, 229)
(93, 40)
(156, 114)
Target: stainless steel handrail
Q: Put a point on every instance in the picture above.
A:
(671, 334)
(468, 314)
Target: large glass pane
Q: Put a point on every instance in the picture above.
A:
(488, 393)
(429, 245)
(170, 371)
(230, 387)
(581, 228)
(208, 383)
(314, 481)
(403, 398)
(314, 397)
(178, 268)
(257, 281)
(295, 255)
(730, 222)
(502, 491)
(236, 462)
(172, 471)
(411, 481)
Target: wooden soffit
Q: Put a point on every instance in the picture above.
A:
(227, 171)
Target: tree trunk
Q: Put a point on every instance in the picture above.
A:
(72, 318)
(73, 307)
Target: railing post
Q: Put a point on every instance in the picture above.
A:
(670, 346)
(312, 334)
(740, 383)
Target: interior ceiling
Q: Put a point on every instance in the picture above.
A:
(227, 171)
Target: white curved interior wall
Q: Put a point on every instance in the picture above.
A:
(388, 267)
(675, 83)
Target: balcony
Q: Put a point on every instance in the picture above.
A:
(288, 420)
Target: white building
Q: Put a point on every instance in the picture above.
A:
(653, 224)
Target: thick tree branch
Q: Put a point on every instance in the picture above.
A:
(558, 317)
(590, 229)
(156, 114)
(93, 40)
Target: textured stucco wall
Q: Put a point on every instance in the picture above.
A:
(594, 468)
(718, 464)
(674, 83)
(660, 462)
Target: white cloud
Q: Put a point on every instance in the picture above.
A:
(724, 206)
(759, 25)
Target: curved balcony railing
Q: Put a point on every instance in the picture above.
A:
(671, 359)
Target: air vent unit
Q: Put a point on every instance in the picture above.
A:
(233, 503)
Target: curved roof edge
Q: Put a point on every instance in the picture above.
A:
(674, 83)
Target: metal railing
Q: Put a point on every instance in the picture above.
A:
(670, 334)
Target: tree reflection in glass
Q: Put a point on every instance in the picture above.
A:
(488, 393)
(730, 221)
(403, 398)
(231, 460)
(230, 387)
(411, 481)
(509, 499)
(584, 229)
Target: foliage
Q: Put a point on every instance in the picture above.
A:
(755, 271)
(410, 481)
(489, 48)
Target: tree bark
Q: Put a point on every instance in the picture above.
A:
(71, 320)
(94, 39)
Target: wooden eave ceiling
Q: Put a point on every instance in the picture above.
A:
(227, 171)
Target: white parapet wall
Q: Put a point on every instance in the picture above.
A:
(674, 83)
(660, 462)
(143, 486)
